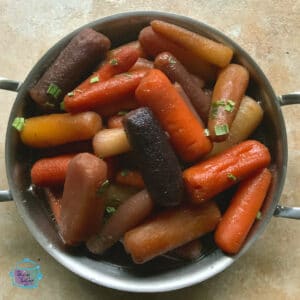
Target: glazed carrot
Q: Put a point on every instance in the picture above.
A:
(115, 121)
(109, 91)
(211, 177)
(186, 132)
(50, 171)
(135, 45)
(131, 178)
(57, 129)
(154, 44)
(170, 229)
(119, 62)
(142, 63)
(228, 92)
(241, 213)
(204, 48)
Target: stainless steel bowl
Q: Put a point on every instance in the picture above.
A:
(117, 271)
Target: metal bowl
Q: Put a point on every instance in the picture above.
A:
(117, 270)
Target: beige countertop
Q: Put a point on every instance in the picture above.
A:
(269, 32)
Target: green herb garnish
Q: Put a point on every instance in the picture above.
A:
(54, 90)
(221, 129)
(122, 113)
(258, 216)
(172, 61)
(62, 105)
(206, 132)
(231, 177)
(71, 94)
(110, 210)
(124, 172)
(229, 106)
(103, 187)
(94, 79)
(114, 62)
(18, 123)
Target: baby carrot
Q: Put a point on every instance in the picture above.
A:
(228, 92)
(154, 44)
(104, 92)
(50, 171)
(135, 44)
(170, 229)
(119, 62)
(209, 178)
(115, 122)
(131, 178)
(186, 132)
(57, 129)
(240, 215)
(206, 49)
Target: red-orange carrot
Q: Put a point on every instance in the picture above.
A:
(50, 171)
(131, 178)
(135, 44)
(170, 229)
(242, 211)
(109, 91)
(211, 177)
(186, 132)
(142, 63)
(119, 62)
(115, 121)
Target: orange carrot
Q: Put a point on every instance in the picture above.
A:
(204, 48)
(170, 229)
(211, 177)
(154, 44)
(142, 63)
(50, 171)
(135, 44)
(115, 122)
(131, 178)
(186, 132)
(119, 62)
(109, 91)
(240, 215)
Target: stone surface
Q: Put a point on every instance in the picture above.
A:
(269, 32)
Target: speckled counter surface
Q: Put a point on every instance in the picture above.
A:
(269, 32)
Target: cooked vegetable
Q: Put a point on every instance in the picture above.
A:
(228, 92)
(81, 207)
(190, 250)
(211, 177)
(115, 121)
(170, 229)
(127, 216)
(54, 196)
(157, 162)
(104, 93)
(74, 63)
(50, 171)
(131, 178)
(204, 48)
(247, 119)
(176, 72)
(186, 132)
(154, 44)
(110, 142)
(120, 62)
(57, 129)
(142, 63)
(135, 44)
(242, 211)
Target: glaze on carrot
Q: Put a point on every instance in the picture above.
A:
(50, 171)
(209, 178)
(242, 211)
(131, 178)
(186, 132)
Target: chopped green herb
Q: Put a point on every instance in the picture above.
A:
(71, 94)
(206, 132)
(110, 209)
(172, 61)
(103, 187)
(94, 79)
(221, 129)
(124, 172)
(62, 106)
(114, 62)
(229, 106)
(54, 90)
(221, 102)
(122, 113)
(214, 110)
(18, 123)
(231, 177)
(258, 216)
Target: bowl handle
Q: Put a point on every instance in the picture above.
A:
(9, 85)
(283, 211)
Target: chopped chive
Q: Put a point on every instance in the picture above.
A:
(110, 210)
(71, 94)
(114, 62)
(122, 113)
(221, 102)
(206, 132)
(103, 187)
(18, 123)
(54, 90)
(62, 106)
(172, 61)
(231, 177)
(221, 129)
(258, 216)
(95, 79)
(124, 172)
(229, 106)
